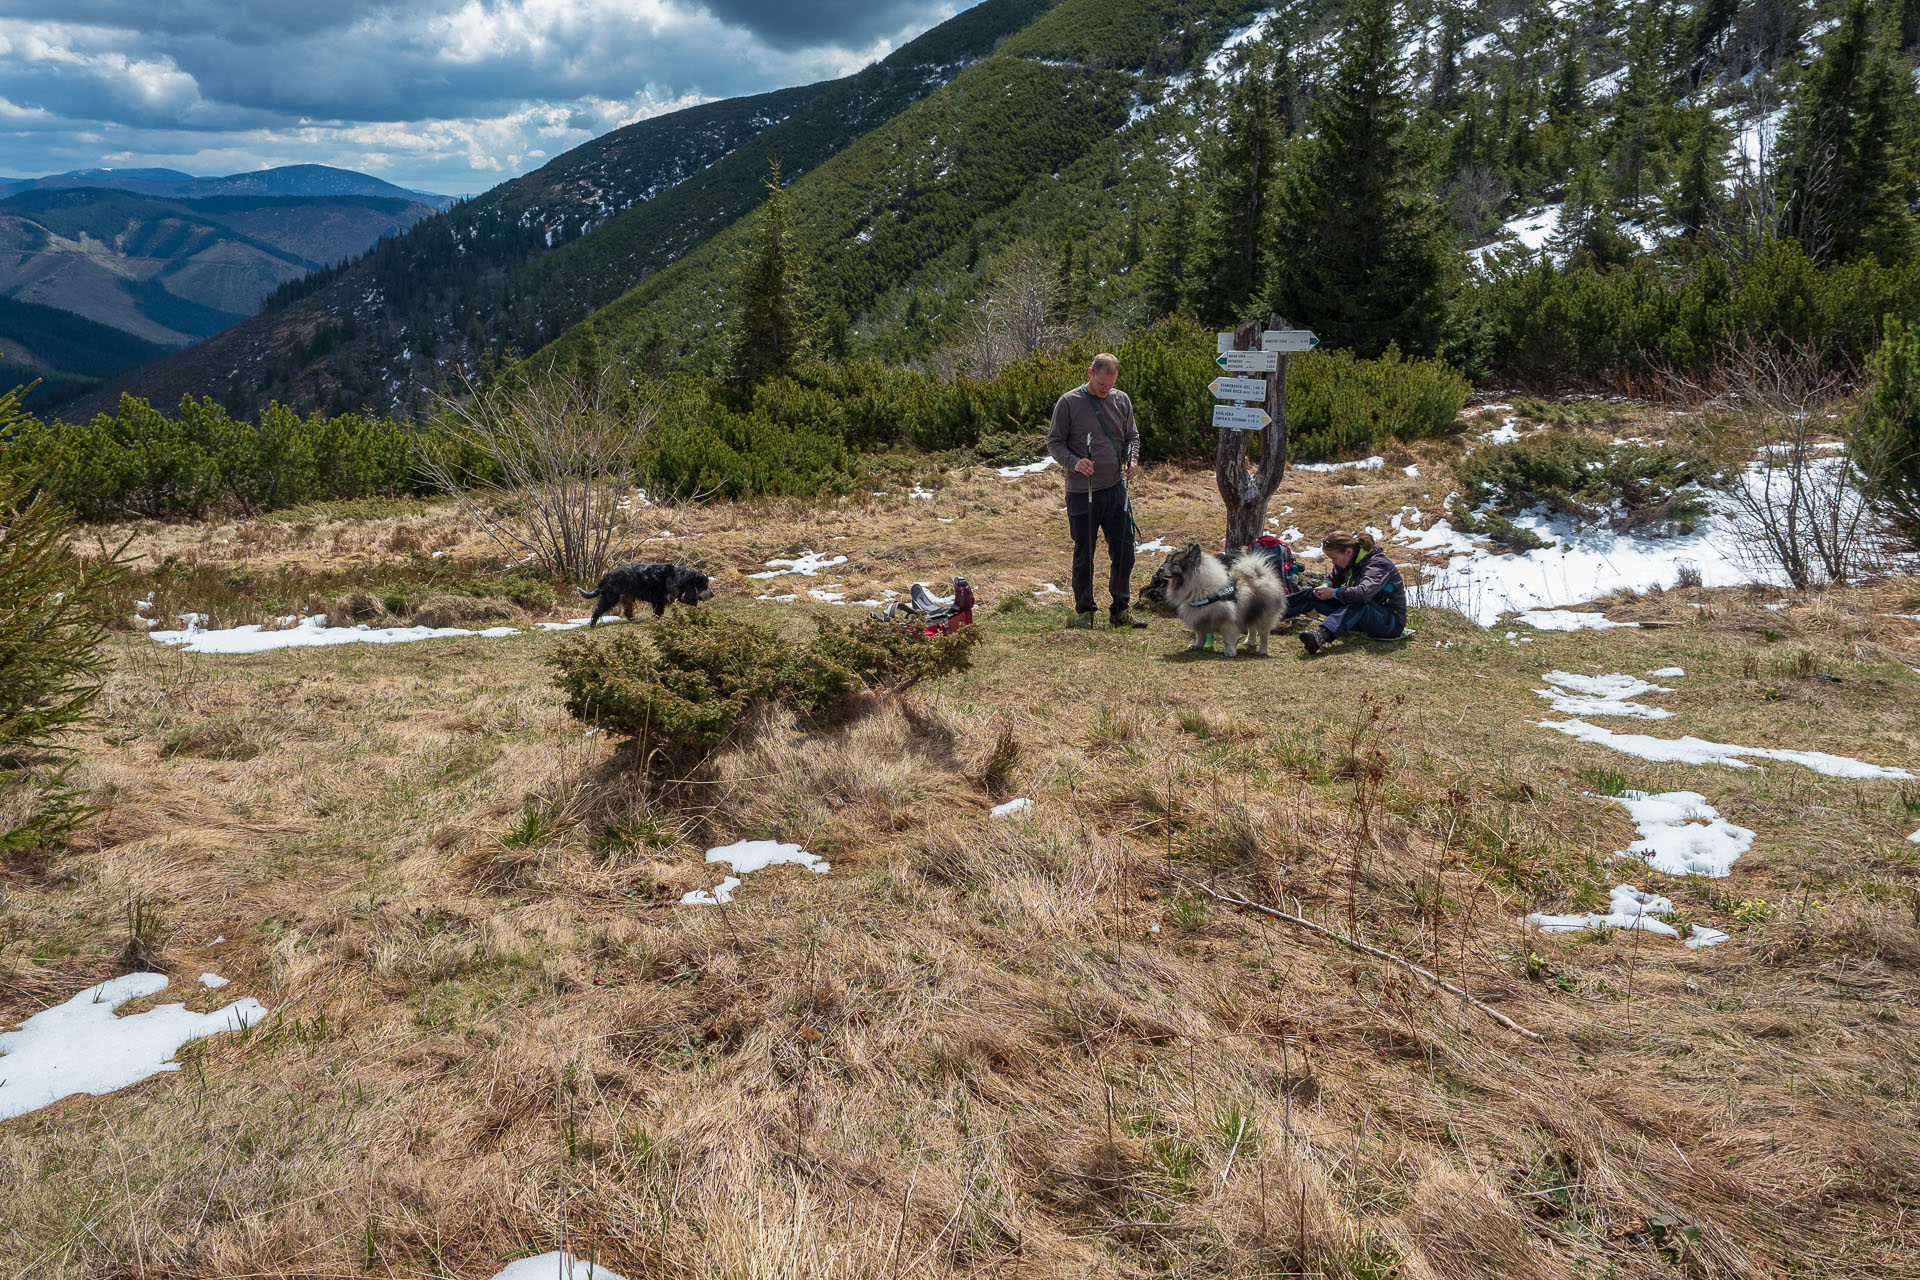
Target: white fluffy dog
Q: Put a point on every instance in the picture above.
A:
(1246, 599)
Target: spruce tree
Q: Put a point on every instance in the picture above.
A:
(1359, 250)
(54, 613)
(1228, 254)
(1164, 287)
(1884, 431)
(769, 309)
(1702, 173)
(1839, 171)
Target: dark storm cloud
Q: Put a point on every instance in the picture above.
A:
(448, 90)
(792, 25)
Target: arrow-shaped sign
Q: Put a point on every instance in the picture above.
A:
(1231, 417)
(1288, 340)
(1238, 388)
(1248, 361)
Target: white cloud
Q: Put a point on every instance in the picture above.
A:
(441, 94)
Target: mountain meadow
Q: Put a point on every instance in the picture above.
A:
(370, 905)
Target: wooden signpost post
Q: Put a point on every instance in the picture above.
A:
(1256, 404)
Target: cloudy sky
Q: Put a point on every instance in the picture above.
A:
(439, 95)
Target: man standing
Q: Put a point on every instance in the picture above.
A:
(1094, 437)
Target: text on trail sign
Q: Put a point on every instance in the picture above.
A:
(1248, 361)
(1238, 388)
(1284, 340)
(1230, 417)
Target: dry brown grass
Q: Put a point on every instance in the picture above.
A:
(979, 1046)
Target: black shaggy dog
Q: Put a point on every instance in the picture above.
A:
(658, 584)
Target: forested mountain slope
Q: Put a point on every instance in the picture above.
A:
(508, 271)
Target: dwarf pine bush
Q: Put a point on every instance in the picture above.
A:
(684, 688)
(1625, 485)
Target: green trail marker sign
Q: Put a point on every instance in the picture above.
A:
(1248, 361)
(1288, 340)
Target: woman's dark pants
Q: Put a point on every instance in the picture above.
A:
(1374, 621)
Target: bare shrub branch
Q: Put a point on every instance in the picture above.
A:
(1795, 499)
(542, 467)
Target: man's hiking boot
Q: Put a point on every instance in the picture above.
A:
(1313, 640)
(1120, 618)
(1082, 621)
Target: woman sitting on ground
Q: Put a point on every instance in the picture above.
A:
(1364, 594)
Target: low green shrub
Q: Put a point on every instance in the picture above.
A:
(1885, 431)
(141, 462)
(1625, 485)
(1337, 405)
(684, 688)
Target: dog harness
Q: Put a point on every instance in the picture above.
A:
(1224, 594)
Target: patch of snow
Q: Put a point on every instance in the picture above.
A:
(789, 599)
(81, 1047)
(1012, 807)
(1628, 908)
(1610, 695)
(1914, 838)
(1158, 544)
(1413, 470)
(747, 857)
(807, 564)
(827, 597)
(311, 633)
(1440, 537)
(1365, 464)
(1691, 750)
(555, 1266)
(1582, 563)
(1531, 231)
(916, 492)
(1505, 433)
(1568, 620)
(1030, 469)
(1666, 673)
(213, 981)
(1682, 835)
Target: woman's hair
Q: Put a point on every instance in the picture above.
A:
(1347, 541)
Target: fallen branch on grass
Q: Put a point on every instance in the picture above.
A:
(1236, 900)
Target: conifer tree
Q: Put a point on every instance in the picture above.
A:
(1164, 287)
(1702, 173)
(1885, 431)
(769, 309)
(1637, 106)
(1839, 172)
(54, 613)
(1228, 252)
(1359, 251)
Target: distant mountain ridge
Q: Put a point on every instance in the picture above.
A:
(303, 181)
(511, 269)
(161, 272)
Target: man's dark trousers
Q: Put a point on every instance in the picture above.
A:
(1374, 621)
(1103, 511)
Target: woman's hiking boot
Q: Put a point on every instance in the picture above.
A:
(1082, 621)
(1124, 618)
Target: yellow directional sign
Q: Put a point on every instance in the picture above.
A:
(1232, 417)
(1238, 388)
